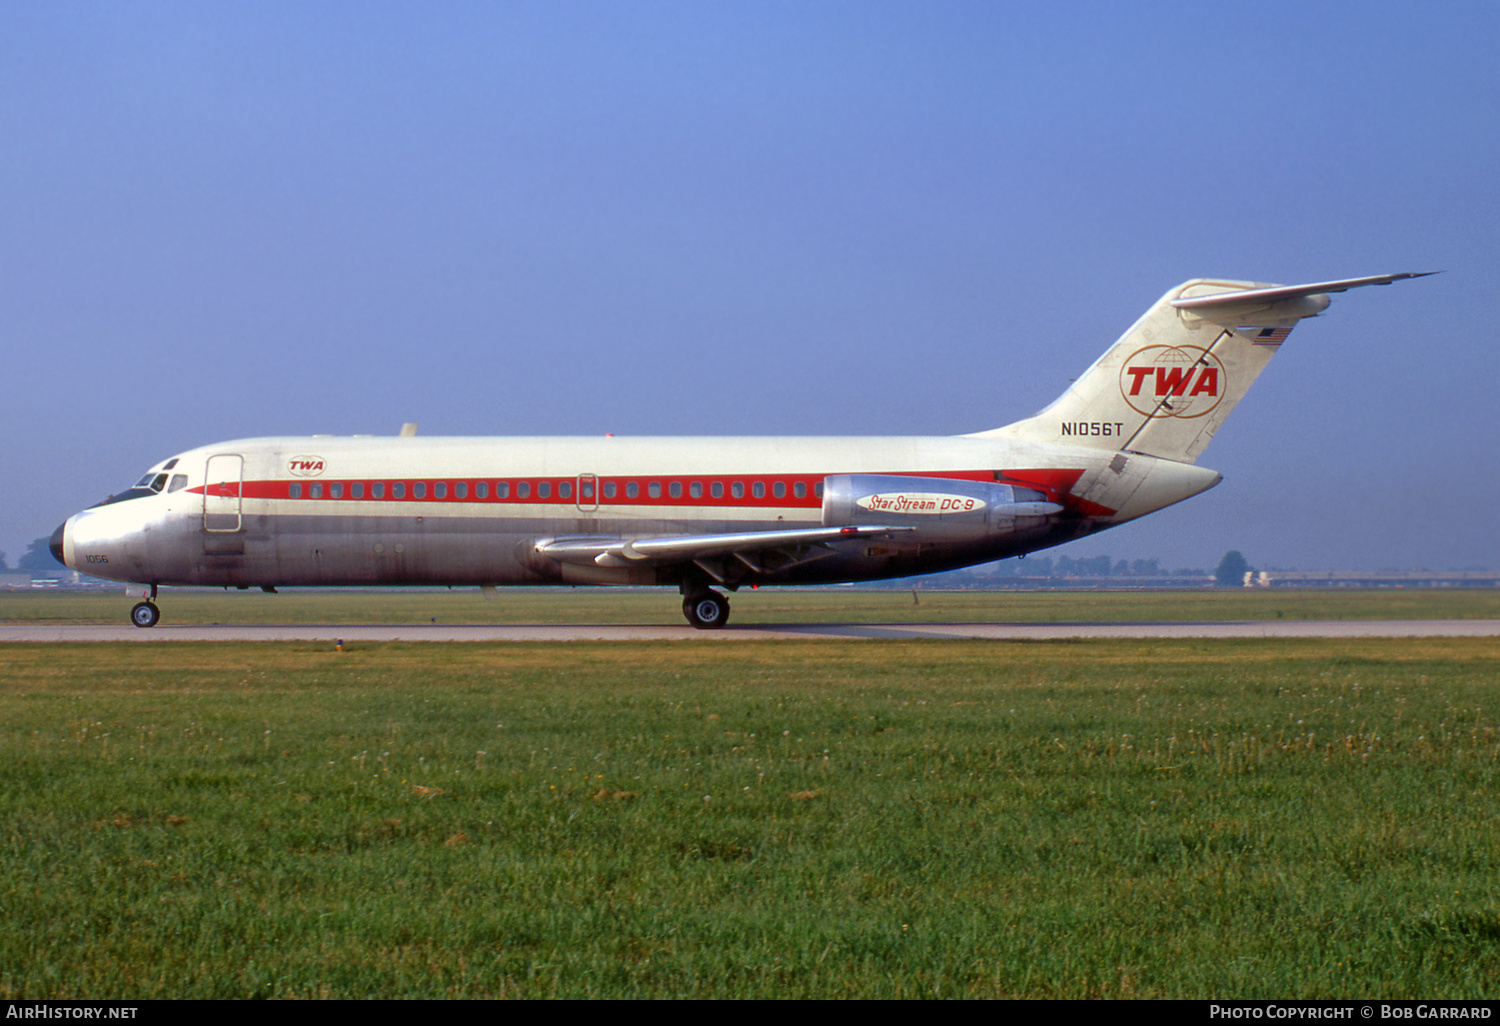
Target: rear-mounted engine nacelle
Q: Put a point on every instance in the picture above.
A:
(936, 506)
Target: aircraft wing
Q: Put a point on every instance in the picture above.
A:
(749, 547)
(1232, 299)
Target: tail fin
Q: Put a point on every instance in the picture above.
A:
(1165, 387)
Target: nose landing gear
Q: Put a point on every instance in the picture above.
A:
(145, 614)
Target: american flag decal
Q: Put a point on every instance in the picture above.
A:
(1272, 337)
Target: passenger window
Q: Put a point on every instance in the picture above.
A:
(654, 489)
(335, 491)
(440, 490)
(632, 490)
(609, 489)
(779, 489)
(799, 490)
(461, 490)
(675, 489)
(357, 490)
(758, 489)
(696, 489)
(818, 489)
(419, 490)
(481, 490)
(737, 490)
(294, 491)
(398, 489)
(564, 489)
(502, 489)
(179, 482)
(543, 490)
(523, 490)
(717, 489)
(315, 491)
(377, 490)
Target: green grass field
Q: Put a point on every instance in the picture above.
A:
(1182, 819)
(778, 605)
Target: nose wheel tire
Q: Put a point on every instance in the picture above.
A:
(707, 611)
(145, 614)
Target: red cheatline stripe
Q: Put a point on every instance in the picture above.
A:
(1055, 483)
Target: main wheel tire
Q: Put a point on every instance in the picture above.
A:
(145, 614)
(707, 611)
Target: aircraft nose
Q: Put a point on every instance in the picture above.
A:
(57, 542)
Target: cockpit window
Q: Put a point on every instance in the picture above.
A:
(151, 484)
(179, 482)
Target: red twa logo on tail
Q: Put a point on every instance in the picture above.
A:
(1172, 381)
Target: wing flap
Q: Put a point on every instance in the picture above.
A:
(687, 548)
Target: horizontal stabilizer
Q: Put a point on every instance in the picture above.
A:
(1247, 297)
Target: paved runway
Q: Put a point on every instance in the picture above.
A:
(166, 632)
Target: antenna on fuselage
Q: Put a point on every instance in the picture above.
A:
(408, 430)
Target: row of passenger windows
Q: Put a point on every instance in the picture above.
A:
(545, 489)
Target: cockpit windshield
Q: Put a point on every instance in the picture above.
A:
(151, 484)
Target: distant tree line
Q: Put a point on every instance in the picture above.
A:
(38, 560)
(1090, 566)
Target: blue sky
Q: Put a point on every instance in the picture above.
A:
(230, 220)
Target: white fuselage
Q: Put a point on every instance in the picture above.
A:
(274, 512)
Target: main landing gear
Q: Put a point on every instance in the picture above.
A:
(706, 610)
(145, 614)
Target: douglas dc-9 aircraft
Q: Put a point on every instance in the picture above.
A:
(704, 512)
